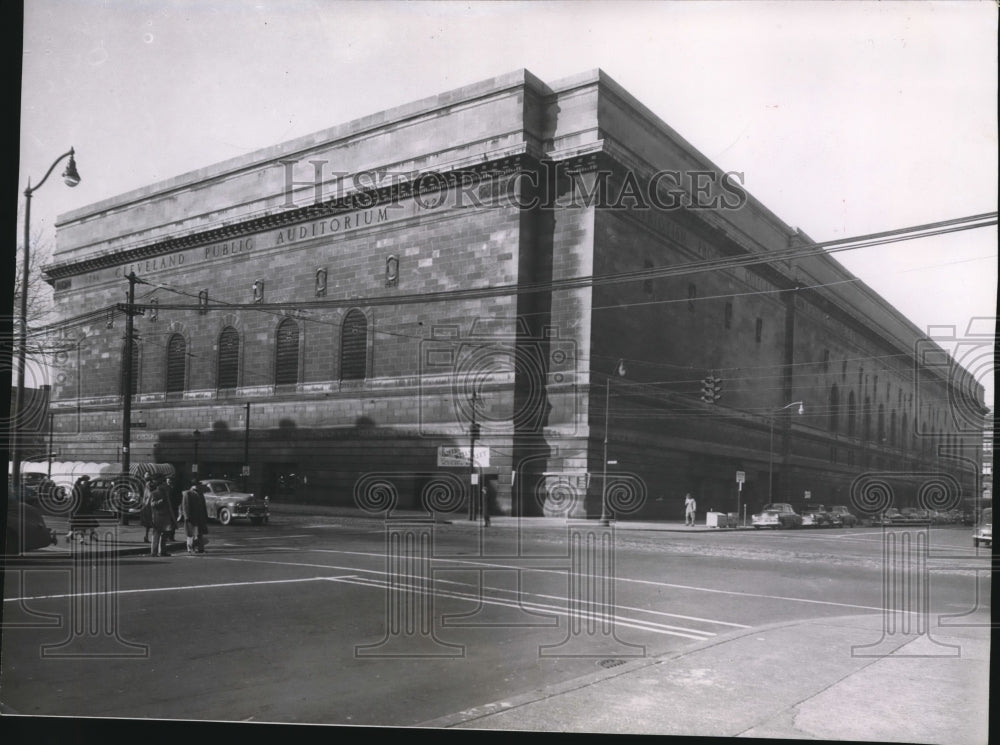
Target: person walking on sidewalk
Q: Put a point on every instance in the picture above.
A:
(690, 509)
(146, 507)
(162, 517)
(194, 513)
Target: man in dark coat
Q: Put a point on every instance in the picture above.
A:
(163, 517)
(195, 515)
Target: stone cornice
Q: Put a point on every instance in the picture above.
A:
(424, 184)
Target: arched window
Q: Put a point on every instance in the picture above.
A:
(134, 371)
(892, 428)
(834, 408)
(852, 415)
(286, 367)
(176, 364)
(354, 346)
(867, 419)
(880, 424)
(229, 358)
(904, 432)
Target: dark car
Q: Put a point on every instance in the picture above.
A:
(115, 498)
(777, 515)
(842, 517)
(25, 529)
(891, 516)
(227, 502)
(817, 517)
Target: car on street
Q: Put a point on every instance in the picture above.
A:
(777, 515)
(842, 517)
(817, 516)
(227, 502)
(116, 498)
(983, 535)
(914, 516)
(891, 516)
(25, 529)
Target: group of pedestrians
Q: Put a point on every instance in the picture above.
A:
(83, 522)
(161, 514)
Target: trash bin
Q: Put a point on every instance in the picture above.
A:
(733, 520)
(715, 519)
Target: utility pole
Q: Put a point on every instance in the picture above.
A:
(246, 446)
(129, 373)
(473, 481)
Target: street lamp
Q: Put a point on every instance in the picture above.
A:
(770, 449)
(194, 468)
(605, 516)
(71, 178)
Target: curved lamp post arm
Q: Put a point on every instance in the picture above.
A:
(70, 175)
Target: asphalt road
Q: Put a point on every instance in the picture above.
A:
(331, 619)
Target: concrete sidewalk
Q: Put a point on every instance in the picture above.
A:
(129, 538)
(803, 680)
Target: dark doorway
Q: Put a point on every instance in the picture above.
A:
(282, 481)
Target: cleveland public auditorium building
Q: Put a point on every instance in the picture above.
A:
(549, 269)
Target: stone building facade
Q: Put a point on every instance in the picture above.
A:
(550, 260)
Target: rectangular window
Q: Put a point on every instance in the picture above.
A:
(729, 315)
(759, 333)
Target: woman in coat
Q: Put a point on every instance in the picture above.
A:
(162, 517)
(194, 512)
(145, 508)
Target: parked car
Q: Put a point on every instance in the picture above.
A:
(25, 529)
(116, 498)
(817, 517)
(776, 515)
(914, 516)
(227, 502)
(890, 516)
(842, 517)
(983, 535)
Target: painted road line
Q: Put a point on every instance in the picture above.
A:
(138, 591)
(493, 565)
(545, 608)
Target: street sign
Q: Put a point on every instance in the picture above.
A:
(474, 480)
(194, 468)
(452, 456)
(808, 494)
(741, 476)
(246, 471)
(612, 463)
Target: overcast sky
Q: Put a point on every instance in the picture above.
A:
(846, 118)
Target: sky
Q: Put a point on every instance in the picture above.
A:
(845, 118)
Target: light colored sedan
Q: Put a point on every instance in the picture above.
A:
(777, 515)
(226, 502)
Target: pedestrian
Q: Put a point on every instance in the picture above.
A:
(162, 517)
(83, 520)
(175, 501)
(194, 513)
(146, 508)
(690, 508)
